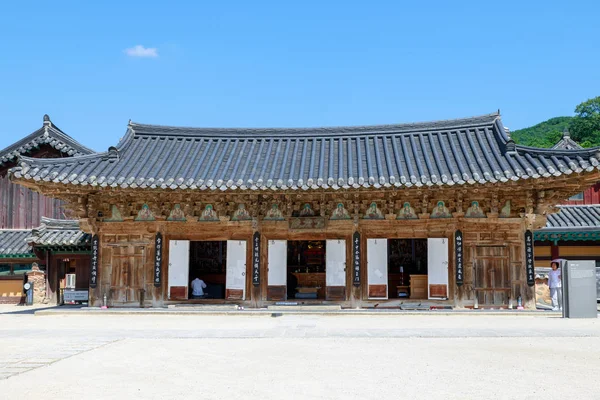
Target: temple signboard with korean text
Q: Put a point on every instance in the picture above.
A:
(256, 259)
(94, 262)
(158, 260)
(356, 259)
(458, 255)
(529, 267)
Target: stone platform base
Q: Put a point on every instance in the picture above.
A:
(12, 300)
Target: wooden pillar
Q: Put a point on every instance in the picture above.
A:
(52, 266)
(554, 250)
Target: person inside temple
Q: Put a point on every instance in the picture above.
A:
(198, 287)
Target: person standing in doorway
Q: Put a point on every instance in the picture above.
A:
(197, 288)
(555, 284)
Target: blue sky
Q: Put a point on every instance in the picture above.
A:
(290, 63)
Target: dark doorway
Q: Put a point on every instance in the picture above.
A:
(407, 268)
(306, 269)
(208, 262)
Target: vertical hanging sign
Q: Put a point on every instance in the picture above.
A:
(158, 242)
(458, 256)
(356, 259)
(529, 258)
(256, 259)
(94, 262)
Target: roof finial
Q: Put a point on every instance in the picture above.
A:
(47, 120)
(566, 133)
(511, 147)
(113, 152)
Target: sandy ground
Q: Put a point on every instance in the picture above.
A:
(298, 357)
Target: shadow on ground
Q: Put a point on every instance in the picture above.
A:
(28, 310)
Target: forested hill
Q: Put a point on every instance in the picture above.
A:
(584, 128)
(544, 134)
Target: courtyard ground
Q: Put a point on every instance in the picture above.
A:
(297, 356)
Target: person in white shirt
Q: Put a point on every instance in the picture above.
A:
(197, 286)
(555, 284)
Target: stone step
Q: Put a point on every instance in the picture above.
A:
(305, 307)
(204, 307)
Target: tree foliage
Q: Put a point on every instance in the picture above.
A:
(584, 128)
(545, 134)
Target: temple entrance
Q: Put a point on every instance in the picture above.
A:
(220, 265)
(407, 268)
(492, 281)
(208, 263)
(128, 274)
(306, 270)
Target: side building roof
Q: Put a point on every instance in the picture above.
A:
(13, 244)
(572, 222)
(451, 152)
(59, 233)
(49, 134)
(566, 143)
(52, 233)
(575, 217)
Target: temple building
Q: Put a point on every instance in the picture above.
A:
(440, 213)
(33, 230)
(573, 233)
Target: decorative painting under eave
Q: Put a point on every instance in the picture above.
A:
(443, 153)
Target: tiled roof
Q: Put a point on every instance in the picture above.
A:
(57, 232)
(469, 150)
(13, 243)
(566, 143)
(576, 217)
(48, 134)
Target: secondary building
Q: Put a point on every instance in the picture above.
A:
(33, 229)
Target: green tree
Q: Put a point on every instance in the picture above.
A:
(585, 126)
(545, 134)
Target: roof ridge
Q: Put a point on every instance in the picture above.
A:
(138, 128)
(24, 145)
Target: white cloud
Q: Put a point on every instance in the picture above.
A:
(141, 51)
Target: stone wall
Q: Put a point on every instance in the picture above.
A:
(38, 279)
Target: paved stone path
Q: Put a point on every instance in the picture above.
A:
(19, 355)
(298, 356)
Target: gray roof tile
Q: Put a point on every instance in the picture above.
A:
(469, 150)
(13, 243)
(48, 134)
(566, 143)
(57, 232)
(574, 217)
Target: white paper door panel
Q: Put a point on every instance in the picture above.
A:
(236, 266)
(179, 263)
(277, 254)
(335, 268)
(377, 267)
(437, 267)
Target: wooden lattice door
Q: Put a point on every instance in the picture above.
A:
(127, 274)
(492, 283)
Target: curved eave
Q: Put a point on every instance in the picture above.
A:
(50, 136)
(471, 151)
